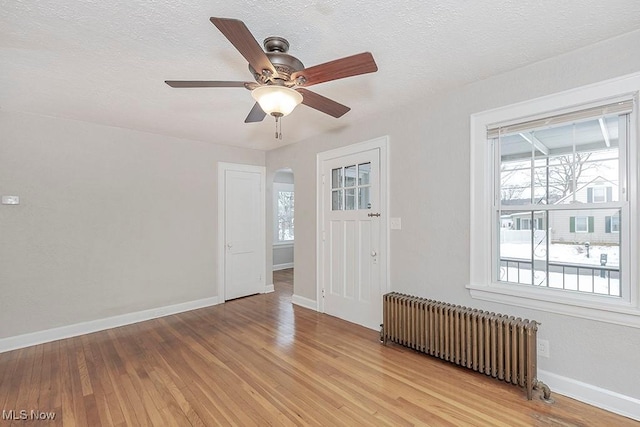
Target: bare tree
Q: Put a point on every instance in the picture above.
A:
(563, 176)
(285, 215)
(509, 190)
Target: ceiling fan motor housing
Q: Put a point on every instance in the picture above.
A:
(276, 50)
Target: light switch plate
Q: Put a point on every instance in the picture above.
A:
(395, 223)
(10, 200)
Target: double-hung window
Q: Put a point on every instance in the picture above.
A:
(554, 206)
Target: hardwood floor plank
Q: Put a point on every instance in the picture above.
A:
(11, 366)
(107, 406)
(191, 415)
(121, 412)
(83, 371)
(65, 386)
(260, 361)
(44, 397)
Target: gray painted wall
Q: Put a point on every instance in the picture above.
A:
(111, 221)
(282, 255)
(430, 191)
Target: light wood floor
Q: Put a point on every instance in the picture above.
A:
(261, 361)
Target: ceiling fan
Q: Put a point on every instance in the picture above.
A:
(281, 79)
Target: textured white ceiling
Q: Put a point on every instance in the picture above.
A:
(106, 61)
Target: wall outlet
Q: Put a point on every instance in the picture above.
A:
(543, 348)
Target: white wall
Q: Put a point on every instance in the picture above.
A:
(430, 191)
(111, 221)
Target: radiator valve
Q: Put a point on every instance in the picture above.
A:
(546, 392)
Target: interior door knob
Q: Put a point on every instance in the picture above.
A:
(374, 253)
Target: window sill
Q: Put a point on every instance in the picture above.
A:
(288, 243)
(549, 300)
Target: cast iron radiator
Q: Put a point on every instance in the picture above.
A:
(498, 345)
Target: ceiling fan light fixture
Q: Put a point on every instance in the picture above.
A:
(277, 101)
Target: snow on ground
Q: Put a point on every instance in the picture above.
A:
(563, 253)
(591, 280)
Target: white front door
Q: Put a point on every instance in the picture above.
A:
(353, 244)
(243, 236)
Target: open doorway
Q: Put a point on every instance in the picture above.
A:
(283, 230)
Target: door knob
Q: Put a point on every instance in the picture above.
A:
(374, 253)
(229, 245)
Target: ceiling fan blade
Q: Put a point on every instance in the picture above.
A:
(321, 103)
(354, 65)
(200, 83)
(240, 37)
(256, 114)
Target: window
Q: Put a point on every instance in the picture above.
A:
(581, 224)
(599, 195)
(567, 180)
(283, 215)
(615, 224)
(551, 172)
(351, 187)
(612, 223)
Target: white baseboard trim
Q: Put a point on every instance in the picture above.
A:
(34, 338)
(284, 266)
(269, 288)
(596, 396)
(304, 302)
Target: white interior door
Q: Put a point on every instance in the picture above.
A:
(243, 230)
(353, 250)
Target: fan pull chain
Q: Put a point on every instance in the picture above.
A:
(278, 128)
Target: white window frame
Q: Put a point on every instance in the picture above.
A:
(483, 248)
(277, 188)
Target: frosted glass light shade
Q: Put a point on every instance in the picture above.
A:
(276, 100)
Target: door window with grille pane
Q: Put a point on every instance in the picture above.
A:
(351, 187)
